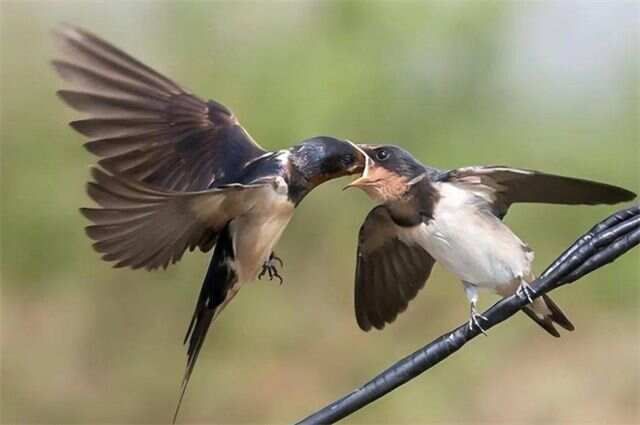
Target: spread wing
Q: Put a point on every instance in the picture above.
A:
(144, 125)
(390, 270)
(503, 186)
(139, 226)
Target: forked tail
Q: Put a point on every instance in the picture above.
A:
(217, 290)
(545, 313)
(196, 339)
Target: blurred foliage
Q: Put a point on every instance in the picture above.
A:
(543, 85)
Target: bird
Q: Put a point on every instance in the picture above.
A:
(455, 218)
(176, 172)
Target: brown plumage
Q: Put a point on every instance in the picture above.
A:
(507, 185)
(138, 226)
(389, 272)
(144, 125)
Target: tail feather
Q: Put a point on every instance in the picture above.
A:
(196, 340)
(545, 322)
(557, 316)
(217, 290)
(545, 313)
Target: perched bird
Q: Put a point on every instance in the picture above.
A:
(177, 172)
(454, 218)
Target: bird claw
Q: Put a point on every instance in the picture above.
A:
(270, 268)
(473, 320)
(273, 258)
(525, 291)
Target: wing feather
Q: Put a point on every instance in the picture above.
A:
(389, 271)
(142, 124)
(502, 186)
(138, 226)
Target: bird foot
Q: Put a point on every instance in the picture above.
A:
(270, 268)
(525, 291)
(473, 320)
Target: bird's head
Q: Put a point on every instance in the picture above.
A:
(389, 172)
(324, 158)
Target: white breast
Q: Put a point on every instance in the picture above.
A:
(256, 232)
(471, 242)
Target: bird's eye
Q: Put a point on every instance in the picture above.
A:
(382, 154)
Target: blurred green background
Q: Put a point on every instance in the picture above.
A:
(543, 85)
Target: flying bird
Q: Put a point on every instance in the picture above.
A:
(453, 218)
(177, 172)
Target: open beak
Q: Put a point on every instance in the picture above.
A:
(364, 179)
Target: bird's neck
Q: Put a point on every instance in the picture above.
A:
(299, 184)
(416, 206)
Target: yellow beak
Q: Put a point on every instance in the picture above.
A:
(364, 179)
(360, 182)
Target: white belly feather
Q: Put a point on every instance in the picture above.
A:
(256, 232)
(472, 243)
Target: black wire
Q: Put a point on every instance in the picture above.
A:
(610, 221)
